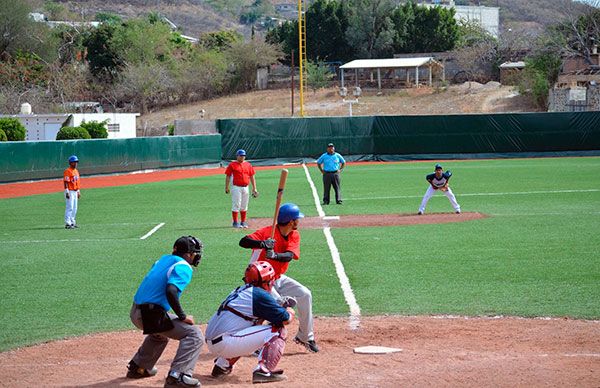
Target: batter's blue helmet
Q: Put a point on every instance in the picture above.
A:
(288, 212)
(73, 158)
(240, 153)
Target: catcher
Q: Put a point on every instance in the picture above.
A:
(439, 181)
(236, 329)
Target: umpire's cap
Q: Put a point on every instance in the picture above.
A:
(73, 158)
(288, 212)
(240, 153)
(438, 166)
(330, 145)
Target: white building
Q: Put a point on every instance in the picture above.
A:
(487, 17)
(46, 126)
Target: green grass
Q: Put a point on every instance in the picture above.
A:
(536, 255)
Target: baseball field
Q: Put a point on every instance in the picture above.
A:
(533, 253)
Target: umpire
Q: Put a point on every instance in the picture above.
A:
(157, 294)
(331, 165)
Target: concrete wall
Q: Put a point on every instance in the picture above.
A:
(195, 127)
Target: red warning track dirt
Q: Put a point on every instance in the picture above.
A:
(436, 351)
(371, 220)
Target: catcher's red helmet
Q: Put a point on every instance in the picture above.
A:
(260, 274)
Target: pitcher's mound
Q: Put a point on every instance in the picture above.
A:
(370, 220)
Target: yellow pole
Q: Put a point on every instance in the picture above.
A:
(301, 54)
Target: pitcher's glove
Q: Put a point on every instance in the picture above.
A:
(288, 301)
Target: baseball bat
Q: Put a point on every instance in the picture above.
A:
(282, 179)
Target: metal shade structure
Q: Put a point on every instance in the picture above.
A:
(392, 63)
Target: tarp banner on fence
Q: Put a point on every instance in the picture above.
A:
(48, 159)
(399, 135)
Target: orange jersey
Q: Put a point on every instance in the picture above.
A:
(241, 172)
(282, 244)
(71, 176)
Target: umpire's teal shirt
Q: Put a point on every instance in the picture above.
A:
(170, 269)
(331, 162)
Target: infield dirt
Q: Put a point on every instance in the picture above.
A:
(437, 351)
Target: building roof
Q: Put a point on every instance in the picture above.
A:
(388, 63)
(513, 65)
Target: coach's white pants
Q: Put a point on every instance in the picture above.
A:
(429, 193)
(239, 198)
(286, 286)
(241, 343)
(71, 208)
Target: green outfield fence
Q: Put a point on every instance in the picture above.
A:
(409, 135)
(47, 159)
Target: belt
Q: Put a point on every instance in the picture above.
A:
(241, 186)
(332, 172)
(215, 341)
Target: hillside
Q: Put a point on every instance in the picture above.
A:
(197, 16)
(457, 99)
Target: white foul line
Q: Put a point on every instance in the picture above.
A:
(337, 261)
(314, 192)
(157, 227)
(481, 194)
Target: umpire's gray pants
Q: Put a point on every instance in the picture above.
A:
(331, 179)
(190, 344)
(286, 286)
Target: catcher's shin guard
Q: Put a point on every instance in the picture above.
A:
(272, 351)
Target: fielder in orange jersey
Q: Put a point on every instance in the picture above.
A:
(279, 251)
(71, 183)
(238, 175)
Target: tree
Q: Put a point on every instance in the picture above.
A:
(370, 28)
(71, 133)
(14, 22)
(220, 40)
(96, 129)
(14, 130)
(326, 25)
(145, 84)
(3, 136)
(247, 57)
(424, 29)
(476, 53)
(103, 58)
(202, 75)
(318, 75)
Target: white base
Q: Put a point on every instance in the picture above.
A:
(375, 350)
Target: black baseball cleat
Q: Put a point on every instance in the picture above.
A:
(220, 372)
(338, 202)
(259, 377)
(134, 371)
(311, 345)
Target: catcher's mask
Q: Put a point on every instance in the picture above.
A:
(189, 244)
(260, 274)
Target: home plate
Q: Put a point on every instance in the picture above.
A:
(375, 350)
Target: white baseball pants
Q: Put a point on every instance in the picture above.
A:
(242, 343)
(71, 208)
(430, 192)
(239, 198)
(286, 286)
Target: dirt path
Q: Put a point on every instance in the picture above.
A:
(436, 351)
